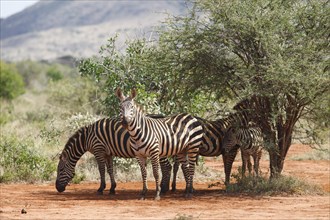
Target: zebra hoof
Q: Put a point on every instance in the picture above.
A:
(188, 195)
(142, 198)
(164, 191)
(157, 198)
(99, 192)
(112, 192)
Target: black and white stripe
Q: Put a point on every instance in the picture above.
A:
(178, 135)
(249, 140)
(104, 139)
(214, 132)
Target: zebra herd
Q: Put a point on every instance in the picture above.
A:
(182, 136)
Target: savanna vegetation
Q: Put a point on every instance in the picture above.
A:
(268, 58)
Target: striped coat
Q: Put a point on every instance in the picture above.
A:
(178, 135)
(105, 139)
(250, 141)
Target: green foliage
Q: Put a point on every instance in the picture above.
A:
(54, 74)
(37, 75)
(50, 135)
(78, 178)
(78, 120)
(125, 164)
(159, 91)
(281, 185)
(76, 94)
(32, 73)
(20, 162)
(11, 82)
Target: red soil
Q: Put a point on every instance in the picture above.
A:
(80, 201)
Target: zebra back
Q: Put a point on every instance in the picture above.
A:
(114, 137)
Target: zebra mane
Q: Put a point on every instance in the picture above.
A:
(75, 137)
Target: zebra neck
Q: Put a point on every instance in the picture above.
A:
(138, 125)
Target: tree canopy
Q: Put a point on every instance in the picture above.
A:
(268, 56)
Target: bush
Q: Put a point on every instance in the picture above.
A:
(19, 162)
(253, 185)
(78, 178)
(78, 120)
(54, 74)
(77, 95)
(11, 82)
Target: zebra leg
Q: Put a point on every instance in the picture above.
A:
(109, 163)
(245, 162)
(182, 158)
(249, 164)
(166, 169)
(175, 172)
(192, 158)
(256, 158)
(155, 169)
(185, 170)
(188, 167)
(101, 166)
(228, 160)
(142, 163)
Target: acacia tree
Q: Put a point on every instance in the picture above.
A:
(271, 55)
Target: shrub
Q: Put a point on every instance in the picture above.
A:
(77, 95)
(11, 82)
(54, 74)
(20, 162)
(78, 120)
(78, 178)
(261, 185)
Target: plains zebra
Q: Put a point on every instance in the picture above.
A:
(249, 140)
(104, 139)
(214, 132)
(178, 135)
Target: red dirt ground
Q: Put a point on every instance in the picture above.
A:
(79, 201)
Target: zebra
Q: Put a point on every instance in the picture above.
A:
(250, 141)
(104, 139)
(214, 132)
(178, 135)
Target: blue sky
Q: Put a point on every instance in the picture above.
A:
(10, 7)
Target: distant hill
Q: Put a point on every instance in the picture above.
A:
(51, 29)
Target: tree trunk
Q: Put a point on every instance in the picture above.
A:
(279, 146)
(278, 132)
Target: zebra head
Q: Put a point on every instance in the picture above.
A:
(127, 107)
(65, 172)
(229, 141)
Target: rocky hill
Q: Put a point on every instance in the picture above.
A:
(51, 29)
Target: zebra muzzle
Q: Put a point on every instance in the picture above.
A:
(124, 123)
(60, 188)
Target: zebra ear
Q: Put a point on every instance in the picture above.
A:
(119, 94)
(133, 93)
